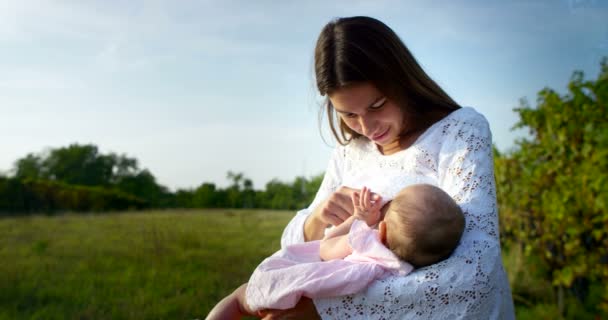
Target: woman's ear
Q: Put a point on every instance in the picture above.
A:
(382, 232)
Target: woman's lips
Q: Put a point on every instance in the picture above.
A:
(380, 136)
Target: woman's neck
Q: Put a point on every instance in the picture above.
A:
(402, 143)
(391, 148)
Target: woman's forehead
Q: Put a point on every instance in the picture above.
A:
(354, 96)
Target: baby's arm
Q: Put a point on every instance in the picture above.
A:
(367, 208)
(335, 243)
(341, 229)
(335, 248)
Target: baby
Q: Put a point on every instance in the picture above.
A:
(422, 226)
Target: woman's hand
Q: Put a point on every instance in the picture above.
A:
(304, 309)
(333, 211)
(337, 208)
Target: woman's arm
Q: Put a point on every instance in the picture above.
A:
(326, 209)
(335, 210)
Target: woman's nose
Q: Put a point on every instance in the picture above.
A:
(366, 125)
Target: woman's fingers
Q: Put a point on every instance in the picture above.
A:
(340, 212)
(333, 219)
(343, 198)
(329, 216)
(334, 213)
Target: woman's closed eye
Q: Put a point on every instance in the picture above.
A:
(378, 104)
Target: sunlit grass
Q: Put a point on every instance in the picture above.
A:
(170, 265)
(164, 264)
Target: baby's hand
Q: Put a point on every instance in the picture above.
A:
(367, 206)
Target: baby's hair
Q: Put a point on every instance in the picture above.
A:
(427, 227)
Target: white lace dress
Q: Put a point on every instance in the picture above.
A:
(456, 155)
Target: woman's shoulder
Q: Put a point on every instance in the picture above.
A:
(465, 117)
(460, 123)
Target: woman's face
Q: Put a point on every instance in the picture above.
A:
(368, 112)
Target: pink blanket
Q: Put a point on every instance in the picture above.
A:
(295, 271)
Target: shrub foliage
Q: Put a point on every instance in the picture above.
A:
(553, 187)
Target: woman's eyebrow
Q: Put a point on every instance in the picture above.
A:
(370, 105)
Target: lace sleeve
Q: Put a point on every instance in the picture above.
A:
(471, 283)
(294, 232)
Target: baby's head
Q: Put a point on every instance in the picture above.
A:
(422, 225)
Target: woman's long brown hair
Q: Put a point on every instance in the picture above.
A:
(363, 49)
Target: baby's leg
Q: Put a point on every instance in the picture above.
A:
(233, 306)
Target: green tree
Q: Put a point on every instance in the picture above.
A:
(279, 195)
(29, 167)
(183, 199)
(553, 188)
(205, 196)
(144, 186)
(84, 165)
(248, 194)
(79, 165)
(240, 193)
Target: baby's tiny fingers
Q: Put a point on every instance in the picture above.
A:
(376, 200)
(364, 197)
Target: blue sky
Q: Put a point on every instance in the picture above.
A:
(193, 89)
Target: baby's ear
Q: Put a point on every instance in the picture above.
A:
(382, 232)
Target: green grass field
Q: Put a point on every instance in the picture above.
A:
(163, 264)
(152, 265)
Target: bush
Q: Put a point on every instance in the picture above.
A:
(33, 196)
(553, 189)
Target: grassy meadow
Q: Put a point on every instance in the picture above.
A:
(163, 264)
(152, 265)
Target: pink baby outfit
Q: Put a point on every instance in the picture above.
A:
(296, 270)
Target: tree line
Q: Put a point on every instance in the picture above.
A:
(79, 178)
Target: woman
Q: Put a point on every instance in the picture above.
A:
(394, 122)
